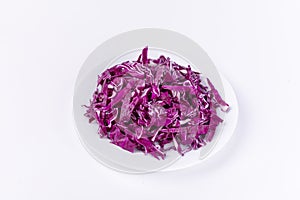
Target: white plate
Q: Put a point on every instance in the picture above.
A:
(125, 47)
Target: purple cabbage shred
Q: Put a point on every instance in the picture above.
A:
(155, 105)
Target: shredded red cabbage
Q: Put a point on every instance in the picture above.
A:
(155, 105)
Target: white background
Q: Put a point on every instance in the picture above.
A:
(255, 44)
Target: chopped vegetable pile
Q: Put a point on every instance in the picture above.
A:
(155, 105)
